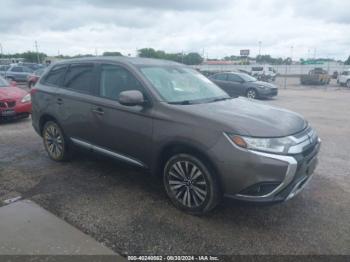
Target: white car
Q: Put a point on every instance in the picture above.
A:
(264, 71)
(344, 78)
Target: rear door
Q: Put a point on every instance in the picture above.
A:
(75, 100)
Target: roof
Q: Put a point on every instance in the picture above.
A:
(124, 59)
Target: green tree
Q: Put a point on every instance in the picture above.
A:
(112, 54)
(347, 62)
(193, 59)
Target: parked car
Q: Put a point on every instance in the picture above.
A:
(3, 69)
(264, 73)
(173, 121)
(317, 76)
(344, 78)
(18, 73)
(32, 66)
(240, 84)
(15, 103)
(34, 77)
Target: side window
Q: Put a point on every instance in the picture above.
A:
(17, 69)
(222, 77)
(79, 77)
(55, 76)
(234, 78)
(115, 79)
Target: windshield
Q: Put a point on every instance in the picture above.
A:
(248, 78)
(182, 85)
(3, 83)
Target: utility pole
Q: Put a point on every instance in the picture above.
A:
(259, 47)
(1, 50)
(37, 52)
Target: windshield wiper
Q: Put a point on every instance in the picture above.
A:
(184, 102)
(221, 99)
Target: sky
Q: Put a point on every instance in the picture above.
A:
(213, 28)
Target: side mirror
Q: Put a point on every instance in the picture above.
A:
(13, 83)
(131, 98)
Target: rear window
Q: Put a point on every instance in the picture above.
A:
(55, 76)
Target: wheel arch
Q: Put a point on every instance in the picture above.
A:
(172, 148)
(45, 118)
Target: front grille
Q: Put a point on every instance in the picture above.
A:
(305, 141)
(7, 104)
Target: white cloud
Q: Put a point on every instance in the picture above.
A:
(218, 28)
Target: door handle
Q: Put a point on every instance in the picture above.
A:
(59, 101)
(98, 111)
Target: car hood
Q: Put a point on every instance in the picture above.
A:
(11, 92)
(245, 117)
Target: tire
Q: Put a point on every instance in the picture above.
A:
(251, 93)
(348, 83)
(190, 184)
(10, 78)
(30, 85)
(55, 142)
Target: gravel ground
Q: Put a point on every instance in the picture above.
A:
(129, 212)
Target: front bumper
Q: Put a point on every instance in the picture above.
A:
(269, 92)
(20, 110)
(262, 177)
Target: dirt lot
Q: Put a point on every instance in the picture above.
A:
(129, 212)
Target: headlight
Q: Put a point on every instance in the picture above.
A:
(26, 98)
(264, 87)
(273, 145)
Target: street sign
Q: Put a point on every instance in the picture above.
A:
(244, 52)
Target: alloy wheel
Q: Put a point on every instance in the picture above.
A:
(187, 183)
(54, 141)
(251, 94)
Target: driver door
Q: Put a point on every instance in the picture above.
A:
(125, 132)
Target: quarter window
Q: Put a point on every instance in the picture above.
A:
(79, 77)
(55, 76)
(115, 79)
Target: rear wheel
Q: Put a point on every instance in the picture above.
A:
(55, 143)
(190, 184)
(251, 93)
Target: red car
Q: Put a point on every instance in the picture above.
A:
(15, 103)
(34, 77)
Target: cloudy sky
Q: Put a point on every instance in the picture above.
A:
(215, 28)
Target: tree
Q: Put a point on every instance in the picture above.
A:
(112, 54)
(193, 59)
(347, 62)
(189, 59)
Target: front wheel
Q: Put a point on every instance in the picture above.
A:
(55, 143)
(252, 94)
(190, 184)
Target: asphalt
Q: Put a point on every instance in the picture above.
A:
(127, 211)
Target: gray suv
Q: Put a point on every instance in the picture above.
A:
(171, 120)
